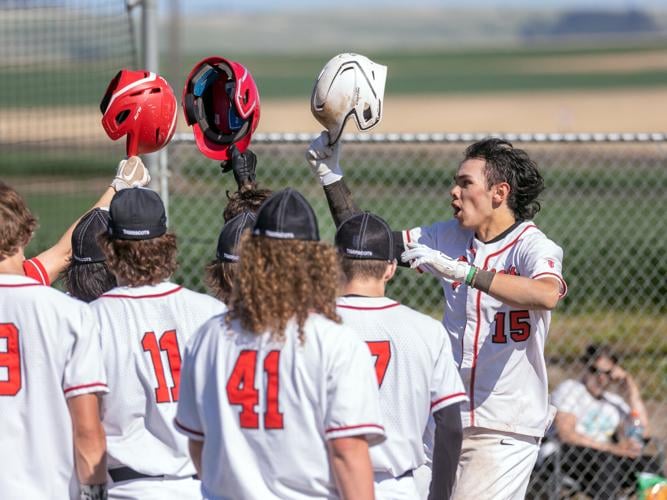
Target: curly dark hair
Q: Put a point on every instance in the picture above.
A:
(140, 262)
(87, 281)
(219, 278)
(17, 223)
(278, 280)
(244, 201)
(505, 163)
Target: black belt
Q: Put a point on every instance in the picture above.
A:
(407, 473)
(127, 474)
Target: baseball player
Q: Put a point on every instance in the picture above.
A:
(87, 275)
(278, 399)
(145, 323)
(238, 216)
(501, 277)
(50, 378)
(414, 365)
(46, 266)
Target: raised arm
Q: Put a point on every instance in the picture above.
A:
(130, 173)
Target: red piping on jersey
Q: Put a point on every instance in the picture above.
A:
(350, 427)
(407, 236)
(19, 285)
(84, 386)
(479, 315)
(153, 296)
(562, 282)
(187, 429)
(456, 394)
(359, 308)
(41, 271)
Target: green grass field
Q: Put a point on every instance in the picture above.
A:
(422, 72)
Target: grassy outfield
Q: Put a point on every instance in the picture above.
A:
(423, 72)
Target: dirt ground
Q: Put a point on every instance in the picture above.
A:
(631, 110)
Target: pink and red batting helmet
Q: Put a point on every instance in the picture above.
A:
(141, 105)
(221, 103)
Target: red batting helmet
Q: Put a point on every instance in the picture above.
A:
(221, 102)
(142, 105)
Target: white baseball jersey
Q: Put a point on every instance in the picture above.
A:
(265, 410)
(415, 372)
(144, 332)
(499, 349)
(49, 352)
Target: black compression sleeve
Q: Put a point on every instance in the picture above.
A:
(342, 206)
(340, 201)
(446, 452)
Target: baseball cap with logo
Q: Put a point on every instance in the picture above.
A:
(231, 234)
(365, 236)
(85, 249)
(287, 215)
(137, 214)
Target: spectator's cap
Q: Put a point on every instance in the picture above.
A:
(137, 214)
(286, 215)
(365, 236)
(85, 249)
(231, 234)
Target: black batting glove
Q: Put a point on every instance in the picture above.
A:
(243, 165)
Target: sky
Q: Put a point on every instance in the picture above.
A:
(187, 6)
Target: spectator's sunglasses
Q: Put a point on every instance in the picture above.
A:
(599, 371)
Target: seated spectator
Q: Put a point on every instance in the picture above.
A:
(591, 424)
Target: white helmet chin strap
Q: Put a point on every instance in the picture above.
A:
(348, 85)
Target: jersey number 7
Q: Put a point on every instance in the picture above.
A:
(241, 390)
(381, 350)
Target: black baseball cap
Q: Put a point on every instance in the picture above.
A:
(365, 236)
(231, 234)
(84, 237)
(137, 214)
(287, 215)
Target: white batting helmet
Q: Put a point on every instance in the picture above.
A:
(348, 85)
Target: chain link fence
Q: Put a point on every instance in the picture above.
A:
(604, 203)
(56, 59)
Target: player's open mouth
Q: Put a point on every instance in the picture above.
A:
(456, 209)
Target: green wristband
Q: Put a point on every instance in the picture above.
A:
(471, 275)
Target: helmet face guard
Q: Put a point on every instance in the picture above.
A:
(349, 85)
(221, 102)
(141, 105)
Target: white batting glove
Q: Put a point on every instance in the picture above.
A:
(436, 262)
(323, 159)
(131, 173)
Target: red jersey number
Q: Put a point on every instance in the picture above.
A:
(168, 343)
(10, 358)
(242, 390)
(519, 327)
(381, 350)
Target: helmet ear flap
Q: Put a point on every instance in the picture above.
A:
(189, 108)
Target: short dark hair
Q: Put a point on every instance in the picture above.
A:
(505, 163)
(89, 280)
(594, 352)
(363, 268)
(244, 201)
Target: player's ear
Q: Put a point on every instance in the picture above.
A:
(390, 271)
(501, 192)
